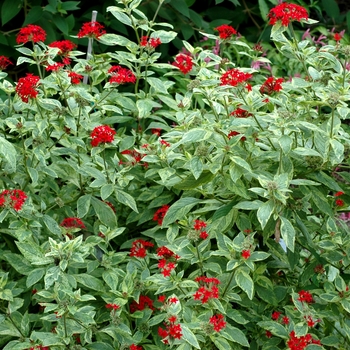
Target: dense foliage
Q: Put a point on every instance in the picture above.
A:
(201, 203)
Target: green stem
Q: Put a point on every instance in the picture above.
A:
(228, 284)
(10, 318)
(200, 263)
(105, 163)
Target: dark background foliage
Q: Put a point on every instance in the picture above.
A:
(62, 19)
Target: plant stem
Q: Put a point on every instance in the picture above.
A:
(105, 163)
(200, 263)
(228, 284)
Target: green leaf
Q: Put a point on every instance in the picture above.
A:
(104, 213)
(190, 182)
(275, 328)
(83, 205)
(35, 276)
(111, 278)
(188, 336)
(245, 282)
(331, 7)
(6, 294)
(52, 225)
(264, 212)
(221, 343)
(51, 276)
(106, 191)
(196, 167)
(8, 152)
(236, 335)
(264, 9)
(180, 6)
(99, 346)
(246, 205)
(179, 209)
(241, 162)
(145, 107)
(34, 14)
(90, 282)
(288, 233)
(285, 142)
(9, 9)
(126, 198)
(166, 36)
(119, 15)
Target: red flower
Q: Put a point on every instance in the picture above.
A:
(240, 113)
(268, 334)
(218, 322)
(300, 343)
(168, 261)
(102, 134)
(225, 31)
(271, 85)
(139, 248)
(137, 157)
(135, 347)
(162, 298)
(305, 296)
(183, 62)
(75, 78)
(245, 254)
(234, 77)
(156, 131)
(172, 330)
(65, 47)
(235, 133)
(339, 193)
(208, 289)
(144, 302)
(13, 199)
(339, 202)
(112, 306)
(91, 30)
(160, 213)
(26, 87)
(164, 143)
(285, 320)
(275, 315)
(286, 13)
(72, 223)
(150, 42)
(4, 62)
(54, 67)
(198, 226)
(32, 33)
(121, 75)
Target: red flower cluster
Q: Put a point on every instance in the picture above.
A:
(112, 306)
(225, 31)
(137, 157)
(139, 248)
(245, 254)
(121, 75)
(183, 62)
(235, 133)
(234, 77)
(168, 261)
(240, 113)
(65, 47)
(207, 290)
(172, 330)
(286, 13)
(160, 213)
(91, 30)
(150, 42)
(218, 322)
(39, 347)
(337, 36)
(164, 143)
(102, 134)
(310, 321)
(31, 33)
(305, 296)
(13, 199)
(171, 300)
(156, 131)
(135, 347)
(72, 223)
(339, 202)
(54, 67)
(4, 62)
(26, 87)
(198, 226)
(75, 78)
(300, 343)
(276, 315)
(144, 302)
(271, 85)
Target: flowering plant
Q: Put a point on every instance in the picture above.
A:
(193, 205)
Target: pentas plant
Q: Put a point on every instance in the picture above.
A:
(195, 204)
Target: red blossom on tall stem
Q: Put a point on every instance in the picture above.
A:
(305, 296)
(225, 31)
(65, 47)
(102, 134)
(172, 331)
(139, 248)
(218, 322)
(26, 87)
(31, 33)
(208, 289)
(183, 62)
(12, 199)
(4, 62)
(75, 78)
(168, 260)
(234, 77)
(160, 213)
(121, 75)
(271, 85)
(286, 13)
(91, 30)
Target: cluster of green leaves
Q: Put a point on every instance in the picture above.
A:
(271, 193)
